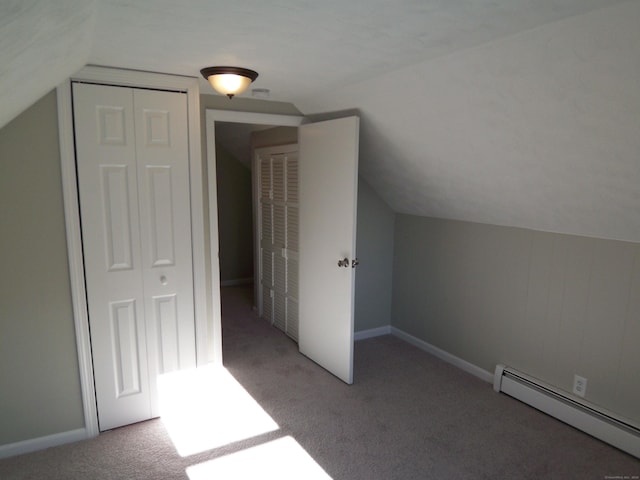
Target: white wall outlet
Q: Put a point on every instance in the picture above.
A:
(579, 385)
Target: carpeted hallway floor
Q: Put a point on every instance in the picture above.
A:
(408, 416)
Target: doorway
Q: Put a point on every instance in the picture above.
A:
(328, 163)
(257, 188)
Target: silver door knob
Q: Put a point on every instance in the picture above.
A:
(343, 263)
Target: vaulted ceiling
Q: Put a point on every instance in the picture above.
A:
(511, 112)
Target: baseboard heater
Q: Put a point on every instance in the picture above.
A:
(571, 410)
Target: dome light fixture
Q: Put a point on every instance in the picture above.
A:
(229, 81)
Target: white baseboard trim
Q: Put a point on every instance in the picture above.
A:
(446, 356)
(236, 281)
(372, 332)
(40, 443)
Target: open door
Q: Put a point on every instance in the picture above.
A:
(328, 165)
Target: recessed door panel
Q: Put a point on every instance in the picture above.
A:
(160, 204)
(126, 352)
(115, 213)
(111, 127)
(165, 315)
(156, 123)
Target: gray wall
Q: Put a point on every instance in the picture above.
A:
(550, 305)
(235, 217)
(39, 381)
(374, 249)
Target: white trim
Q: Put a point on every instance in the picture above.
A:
(257, 118)
(137, 78)
(372, 332)
(76, 261)
(34, 444)
(198, 242)
(215, 337)
(211, 117)
(129, 78)
(481, 373)
(236, 281)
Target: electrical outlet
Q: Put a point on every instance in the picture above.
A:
(579, 385)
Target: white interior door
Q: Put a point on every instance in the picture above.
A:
(328, 176)
(133, 164)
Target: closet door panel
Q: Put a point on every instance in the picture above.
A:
(163, 177)
(108, 189)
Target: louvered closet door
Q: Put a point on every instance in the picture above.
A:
(278, 174)
(132, 159)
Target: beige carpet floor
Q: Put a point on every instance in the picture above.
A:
(274, 414)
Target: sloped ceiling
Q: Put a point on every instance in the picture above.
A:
(538, 130)
(42, 42)
(512, 112)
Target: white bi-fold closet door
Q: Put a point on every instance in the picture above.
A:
(278, 220)
(133, 180)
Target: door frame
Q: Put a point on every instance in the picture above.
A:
(212, 116)
(202, 309)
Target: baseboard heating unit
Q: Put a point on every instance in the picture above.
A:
(571, 410)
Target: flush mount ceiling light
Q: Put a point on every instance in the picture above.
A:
(229, 81)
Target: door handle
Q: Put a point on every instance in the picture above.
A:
(355, 263)
(163, 280)
(344, 262)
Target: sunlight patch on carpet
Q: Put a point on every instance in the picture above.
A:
(280, 459)
(206, 408)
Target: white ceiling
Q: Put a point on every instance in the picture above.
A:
(513, 112)
(539, 130)
(41, 44)
(305, 47)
